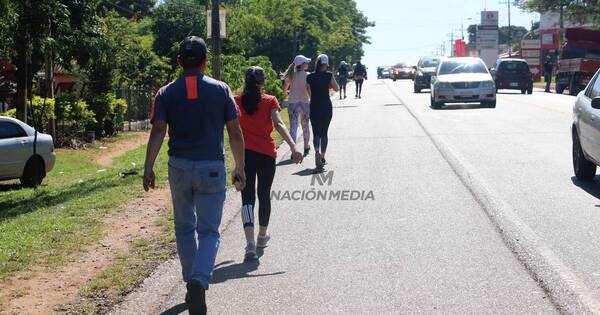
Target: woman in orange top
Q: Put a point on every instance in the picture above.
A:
(259, 112)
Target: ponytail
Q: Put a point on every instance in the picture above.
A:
(252, 93)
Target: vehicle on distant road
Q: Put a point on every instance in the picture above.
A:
(513, 74)
(385, 74)
(25, 155)
(402, 71)
(586, 131)
(423, 72)
(462, 80)
(579, 60)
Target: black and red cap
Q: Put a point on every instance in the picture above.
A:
(192, 48)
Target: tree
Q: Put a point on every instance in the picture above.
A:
(516, 32)
(129, 8)
(173, 21)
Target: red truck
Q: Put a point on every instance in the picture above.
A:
(579, 60)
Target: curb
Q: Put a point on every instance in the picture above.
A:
(567, 292)
(149, 297)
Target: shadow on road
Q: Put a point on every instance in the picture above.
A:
(227, 271)
(307, 172)
(463, 106)
(175, 310)
(285, 162)
(591, 188)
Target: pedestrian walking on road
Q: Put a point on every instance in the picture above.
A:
(360, 72)
(298, 99)
(321, 108)
(342, 74)
(259, 113)
(548, 67)
(196, 108)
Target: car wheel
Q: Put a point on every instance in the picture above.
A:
(523, 91)
(560, 89)
(34, 172)
(435, 105)
(530, 90)
(417, 89)
(584, 169)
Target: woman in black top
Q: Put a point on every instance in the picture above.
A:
(321, 109)
(360, 72)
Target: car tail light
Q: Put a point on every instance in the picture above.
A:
(529, 74)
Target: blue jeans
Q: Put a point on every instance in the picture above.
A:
(198, 192)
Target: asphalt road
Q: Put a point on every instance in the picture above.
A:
(431, 241)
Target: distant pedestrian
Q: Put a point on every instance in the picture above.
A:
(196, 109)
(321, 108)
(548, 67)
(360, 72)
(259, 113)
(298, 99)
(342, 74)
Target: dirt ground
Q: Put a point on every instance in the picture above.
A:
(41, 291)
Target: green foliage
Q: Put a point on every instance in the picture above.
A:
(41, 112)
(173, 21)
(582, 11)
(335, 27)
(10, 113)
(73, 112)
(109, 112)
(517, 33)
(233, 69)
(130, 8)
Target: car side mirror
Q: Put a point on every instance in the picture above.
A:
(596, 102)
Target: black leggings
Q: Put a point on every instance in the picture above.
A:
(259, 166)
(359, 84)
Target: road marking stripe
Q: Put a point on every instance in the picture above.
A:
(568, 293)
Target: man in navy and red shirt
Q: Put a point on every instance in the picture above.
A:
(195, 108)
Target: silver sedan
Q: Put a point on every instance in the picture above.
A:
(23, 154)
(462, 80)
(586, 131)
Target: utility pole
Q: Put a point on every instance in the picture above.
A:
(49, 93)
(509, 29)
(216, 40)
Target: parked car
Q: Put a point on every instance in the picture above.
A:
(402, 71)
(586, 131)
(24, 155)
(462, 80)
(513, 74)
(423, 72)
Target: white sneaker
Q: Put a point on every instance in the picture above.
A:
(250, 252)
(261, 241)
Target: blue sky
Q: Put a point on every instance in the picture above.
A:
(407, 29)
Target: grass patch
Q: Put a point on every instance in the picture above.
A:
(42, 226)
(127, 272)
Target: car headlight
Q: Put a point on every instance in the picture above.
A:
(487, 84)
(443, 85)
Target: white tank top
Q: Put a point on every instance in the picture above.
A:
(298, 89)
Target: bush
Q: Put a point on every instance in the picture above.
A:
(10, 113)
(109, 112)
(72, 112)
(234, 67)
(41, 112)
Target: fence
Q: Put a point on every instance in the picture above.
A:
(136, 125)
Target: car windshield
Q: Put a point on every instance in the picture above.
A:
(430, 63)
(514, 66)
(401, 65)
(455, 67)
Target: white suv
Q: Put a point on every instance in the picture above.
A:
(586, 131)
(22, 155)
